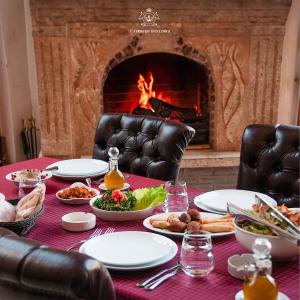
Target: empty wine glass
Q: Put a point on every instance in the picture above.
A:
(196, 258)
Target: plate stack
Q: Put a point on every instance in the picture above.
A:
(130, 250)
(73, 169)
(216, 201)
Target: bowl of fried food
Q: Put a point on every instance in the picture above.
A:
(246, 231)
(77, 193)
(175, 224)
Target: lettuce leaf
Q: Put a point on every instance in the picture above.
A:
(149, 197)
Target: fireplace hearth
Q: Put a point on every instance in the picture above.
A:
(227, 56)
(161, 84)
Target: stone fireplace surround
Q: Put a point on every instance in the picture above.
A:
(77, 43)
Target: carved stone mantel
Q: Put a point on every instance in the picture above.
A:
(78, 42)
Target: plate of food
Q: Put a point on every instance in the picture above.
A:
(29, 175)
(176, 223)
(77, 193)
(115, 205)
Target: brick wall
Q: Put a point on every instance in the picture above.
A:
(208, 179)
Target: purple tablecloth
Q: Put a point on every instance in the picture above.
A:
(218, 285)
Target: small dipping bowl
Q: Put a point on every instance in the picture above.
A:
(236, 264)
(78, 221)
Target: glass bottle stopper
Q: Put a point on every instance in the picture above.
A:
(113, 152)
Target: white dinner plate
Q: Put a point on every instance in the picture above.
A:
(218, 199)
(164, 216)
(124, 188)
(281, 296)
(79, 168)
(75, 201)
(2, 197)
(130, 250)
(204, 207)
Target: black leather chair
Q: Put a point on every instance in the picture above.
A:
(29, 270)
(270, 162)
(149, 146)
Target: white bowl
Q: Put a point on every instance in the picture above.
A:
(45, 175)
(281, 247)
(236, 263)
(78, 221)
(76, 200)
(121, 215)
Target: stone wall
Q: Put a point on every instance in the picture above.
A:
(78, 42)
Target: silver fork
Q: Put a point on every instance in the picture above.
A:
(97, 232)
(109, 230)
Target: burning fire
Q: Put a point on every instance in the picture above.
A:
(145, 86)
(146, 90)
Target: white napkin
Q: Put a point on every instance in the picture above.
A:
(7, 211)
(31, 203)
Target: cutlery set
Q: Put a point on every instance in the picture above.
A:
(96, 233)
(154, 281)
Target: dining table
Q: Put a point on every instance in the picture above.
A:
(219, 284)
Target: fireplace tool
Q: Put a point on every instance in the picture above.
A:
(29, 138)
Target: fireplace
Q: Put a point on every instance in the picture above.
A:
(85, 49)
(161, 84)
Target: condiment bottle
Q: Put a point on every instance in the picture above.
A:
(259, 284)
(113, 179)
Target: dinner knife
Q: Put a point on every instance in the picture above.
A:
(153, 285)
(143, 283)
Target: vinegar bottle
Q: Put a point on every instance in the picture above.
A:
(260, 285)
(113, 179)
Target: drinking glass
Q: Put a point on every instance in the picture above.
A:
(177, 198)
(196, 257)
(28, 181)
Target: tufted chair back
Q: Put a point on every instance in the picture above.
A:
(149, 146)
(32, 271)
(270, 162)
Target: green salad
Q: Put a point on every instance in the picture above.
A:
(116, 200)
(255, 227)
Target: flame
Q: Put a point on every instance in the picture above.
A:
(146, 90)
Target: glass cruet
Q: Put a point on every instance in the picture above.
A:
(114, 178)
(259, 284)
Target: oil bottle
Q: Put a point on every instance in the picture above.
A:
(114, 178)
(259, 284)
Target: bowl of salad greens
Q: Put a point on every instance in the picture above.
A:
(247, 231)
(115, 205)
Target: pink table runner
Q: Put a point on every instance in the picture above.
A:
(218, 285)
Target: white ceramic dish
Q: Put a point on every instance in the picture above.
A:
(78, 221)
(164, 216)
(2, 197)
(236, 263)
(124, 188)
(14, 176)
(79, 168)
(281, 247)
(140, 250)
(217, 200)
(75, 201)
(281, 296)
(204, 207)
(121, 215)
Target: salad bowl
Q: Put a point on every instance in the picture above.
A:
(282, 248)
(129, 215)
